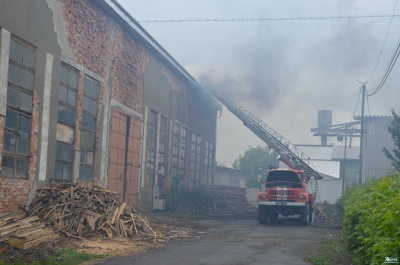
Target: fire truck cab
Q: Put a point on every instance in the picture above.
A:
(286, 194)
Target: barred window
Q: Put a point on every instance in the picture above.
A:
(64, 158)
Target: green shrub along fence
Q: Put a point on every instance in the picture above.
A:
(372, 220)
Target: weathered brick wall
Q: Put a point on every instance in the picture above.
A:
(102, 46)
(99, 42)
(13, 193)
(78, 118)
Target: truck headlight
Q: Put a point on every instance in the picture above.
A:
(302, 197)
(263, 196)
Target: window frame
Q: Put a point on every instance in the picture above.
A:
(66, 104)
(16, 135)
(151, 147)
(87, 153)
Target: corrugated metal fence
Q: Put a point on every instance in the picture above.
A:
(329, 190)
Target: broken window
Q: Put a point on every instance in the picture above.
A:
(88, 129)
(87, 163)
(15, 159)
(64, 159)
(66, 115)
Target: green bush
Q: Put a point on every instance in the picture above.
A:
(372, 220)
(342, 199)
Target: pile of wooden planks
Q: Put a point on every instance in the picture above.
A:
(227, 201)
(217, 201)
(22, 231)
(83, 209)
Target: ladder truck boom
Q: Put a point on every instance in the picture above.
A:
(289, 154)
(285, 192)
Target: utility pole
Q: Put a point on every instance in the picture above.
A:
(344, 162)
(362, 133)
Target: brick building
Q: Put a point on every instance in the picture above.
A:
(86, 93)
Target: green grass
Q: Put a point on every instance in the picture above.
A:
(64, 257)
(71, 257)
(318, 260)
(331, 252)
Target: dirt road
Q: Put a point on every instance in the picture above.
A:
(237, 242)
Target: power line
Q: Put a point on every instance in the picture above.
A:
(384, 42)
(264, 19)
(388, 70)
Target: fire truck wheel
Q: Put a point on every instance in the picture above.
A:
(262, 214)
(304, 214)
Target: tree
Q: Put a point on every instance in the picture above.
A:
(218, 164)
(394, 129)
(255, 161)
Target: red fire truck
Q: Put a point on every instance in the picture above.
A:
(286, 194)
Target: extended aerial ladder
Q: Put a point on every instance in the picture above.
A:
(288, 153)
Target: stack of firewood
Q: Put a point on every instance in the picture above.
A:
(82, 209)
(23, 231)
(227, 196)
(227, 201)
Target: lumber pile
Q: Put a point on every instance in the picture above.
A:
(22, 231)
(226, 197)
(84, 209)
(227, 201)
(216, 201)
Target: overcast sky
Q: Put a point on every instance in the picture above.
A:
(283, 71)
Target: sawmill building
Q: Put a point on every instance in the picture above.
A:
(86, 94)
